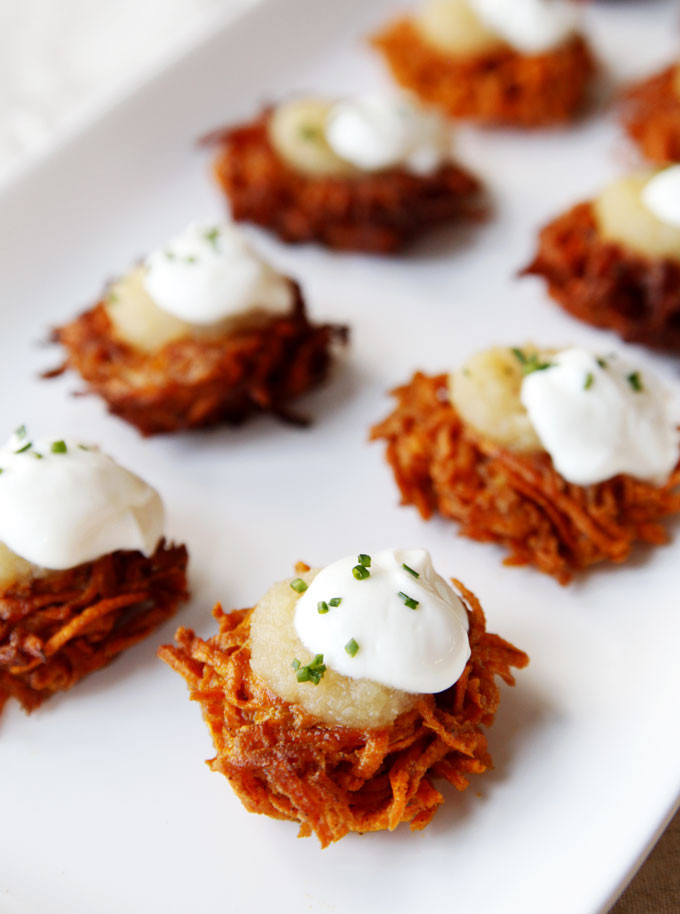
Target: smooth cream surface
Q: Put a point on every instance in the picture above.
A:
(598, 418)
(661, 195)
(529, 26)
(422, 649)
(209, 273)
(58, 510)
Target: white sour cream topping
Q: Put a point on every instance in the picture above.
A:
(209, 273)
(374, 132)
(68, 508)
(417, 650)
(601, 417)
(529, 26)
(661, 195)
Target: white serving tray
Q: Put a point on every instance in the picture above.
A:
(106, 805)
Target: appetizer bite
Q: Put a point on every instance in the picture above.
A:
(365, 173)
(651, 115)
(563, 457)
(203, 332)
(84, 569)
(615, 261)
(346, 690)
(516, 62)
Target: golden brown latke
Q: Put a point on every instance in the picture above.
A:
(377, 213)
(333, 780)
(651, 116)
(196, 382)
(59, 627)
(604, 284)
(517, 500)
(503, 87)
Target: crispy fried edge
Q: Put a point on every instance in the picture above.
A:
(602, 283)
(377, 213)
(193, 383)
(501, 87)
(519, 501)
(57, 628)
(650, 114)
(284, 763)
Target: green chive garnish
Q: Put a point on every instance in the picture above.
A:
(37, 455)
(309, 132)
(364, 559)
(530, 363)
(589, 381)
(635, 381)
(58, 447)
(24, 448)
(409, 601)
(322, 607)
(352, 647)
(298, 585)
(212, 236)
(360, 572)
(296, 664)
(336, 601)
(416, 574)
(311, 672)
(602, 363)
(21, 431)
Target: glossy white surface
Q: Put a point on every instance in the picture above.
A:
(111, 807)
(661, 195)
(414, 648)
(529, 26)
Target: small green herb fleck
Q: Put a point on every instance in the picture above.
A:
(25, 447)
(298, 585)
(296, 664)
(360, 572)
(212, 236)
(37, 455)
(635, 381)
(416, 574)
(83, 447)
(311, 672)
(191, 259)
(322, 607)
(364, 560)
(309, 132)
(602, 363)
(530, 363)
(58, 447)
(1, 470)
(352, 647)
(589, 381)
(21, 432)
(112, 298)
(409, 601)
(336, 601)
(170, 255)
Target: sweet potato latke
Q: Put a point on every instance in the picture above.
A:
(519, 501)
(332, 779)
(651, 115)
(192, 382)
(604, 284)
(502, 87)
(57, 628)
(376, 213)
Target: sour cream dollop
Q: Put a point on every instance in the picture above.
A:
(601, 417)
(529, 26)
(374, 132)
(209, 273)
(374, 634)
(661, 195)
(72, 504)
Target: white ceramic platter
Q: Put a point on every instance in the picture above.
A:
(105, 803)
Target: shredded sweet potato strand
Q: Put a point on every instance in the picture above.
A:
(651, 115)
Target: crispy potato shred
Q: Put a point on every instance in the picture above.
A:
(197, 382)
(333, 780)
(377, 213)
(651, 116)
(604, 284)
(519, 501)
(502, 87)
(59, 627)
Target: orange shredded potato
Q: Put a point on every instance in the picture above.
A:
(519, 501)
(502, 87)
(333, 780)
(651, 116)
(378, 213)
(197, 382)
(604, 284)
(59, 627)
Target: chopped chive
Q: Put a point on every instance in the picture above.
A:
(336, 601)
(191, 259)
(635, 381)
(296, 664)
(24, 448)
(352, 647)
(212, 236)
(364, 559)
(112, 298)
(21, 431)
(322, 607)
(298, 585)
(602, 363)
(83, 447)
(409, 601)
(311, 672)
(360, 572)
(416, 574)
(589, 381)
(1, 470)
(309, 132)
(37, 455)
(58, 447)
(530, 363)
